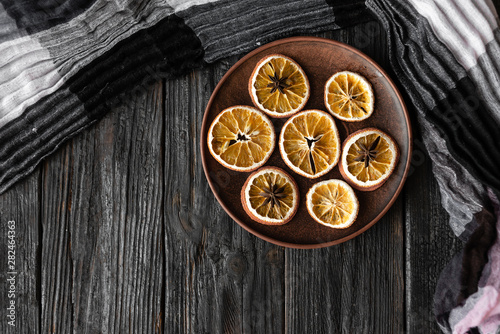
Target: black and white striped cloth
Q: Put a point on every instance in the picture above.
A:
(64, 64)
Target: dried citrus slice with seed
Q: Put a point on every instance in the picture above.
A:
(369, 157)
(241, 138)
(309, 143)
(279, 86)
(349, 96)
(332, 203)
(270, 196)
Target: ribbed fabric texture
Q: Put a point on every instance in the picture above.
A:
(63, 65)
(8, 27)
(440, 51)
(219, 24)
(448, 108)
(34, 16)
(349, 11)
(478, 311)
(166, 49)
(103, 52)
(485, 75)
(42, 62)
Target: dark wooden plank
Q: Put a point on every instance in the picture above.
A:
(219, 278)
(358, 286)
(102, 255)
(430, 242)
(21, 204)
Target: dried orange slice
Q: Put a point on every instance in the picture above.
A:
(241, 138)
(369, 157)
(349, 96)
(332, 203)
(270, 196)
(279, 86)
(309, 143)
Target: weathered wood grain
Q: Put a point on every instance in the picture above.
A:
(219, 278)
(21, 204)
(358, 286)
(102, 245)
(430, 243)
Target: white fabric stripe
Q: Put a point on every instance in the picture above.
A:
(27, 73)
(460, 26)
(179, 5)
(47, 59)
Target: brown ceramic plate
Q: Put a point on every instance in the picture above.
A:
(320, 58)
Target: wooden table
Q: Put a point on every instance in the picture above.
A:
(118, 231)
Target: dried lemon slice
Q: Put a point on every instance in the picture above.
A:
(279, 86)
(369, 157)
(309, 143)
(332, 203)
(241, 138)
(349, 96)
(270, 196)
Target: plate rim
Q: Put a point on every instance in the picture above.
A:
(203, 142)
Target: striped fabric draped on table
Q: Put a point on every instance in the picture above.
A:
(64, 64)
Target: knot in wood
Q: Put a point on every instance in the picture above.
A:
(273, 256)
(236, 264)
